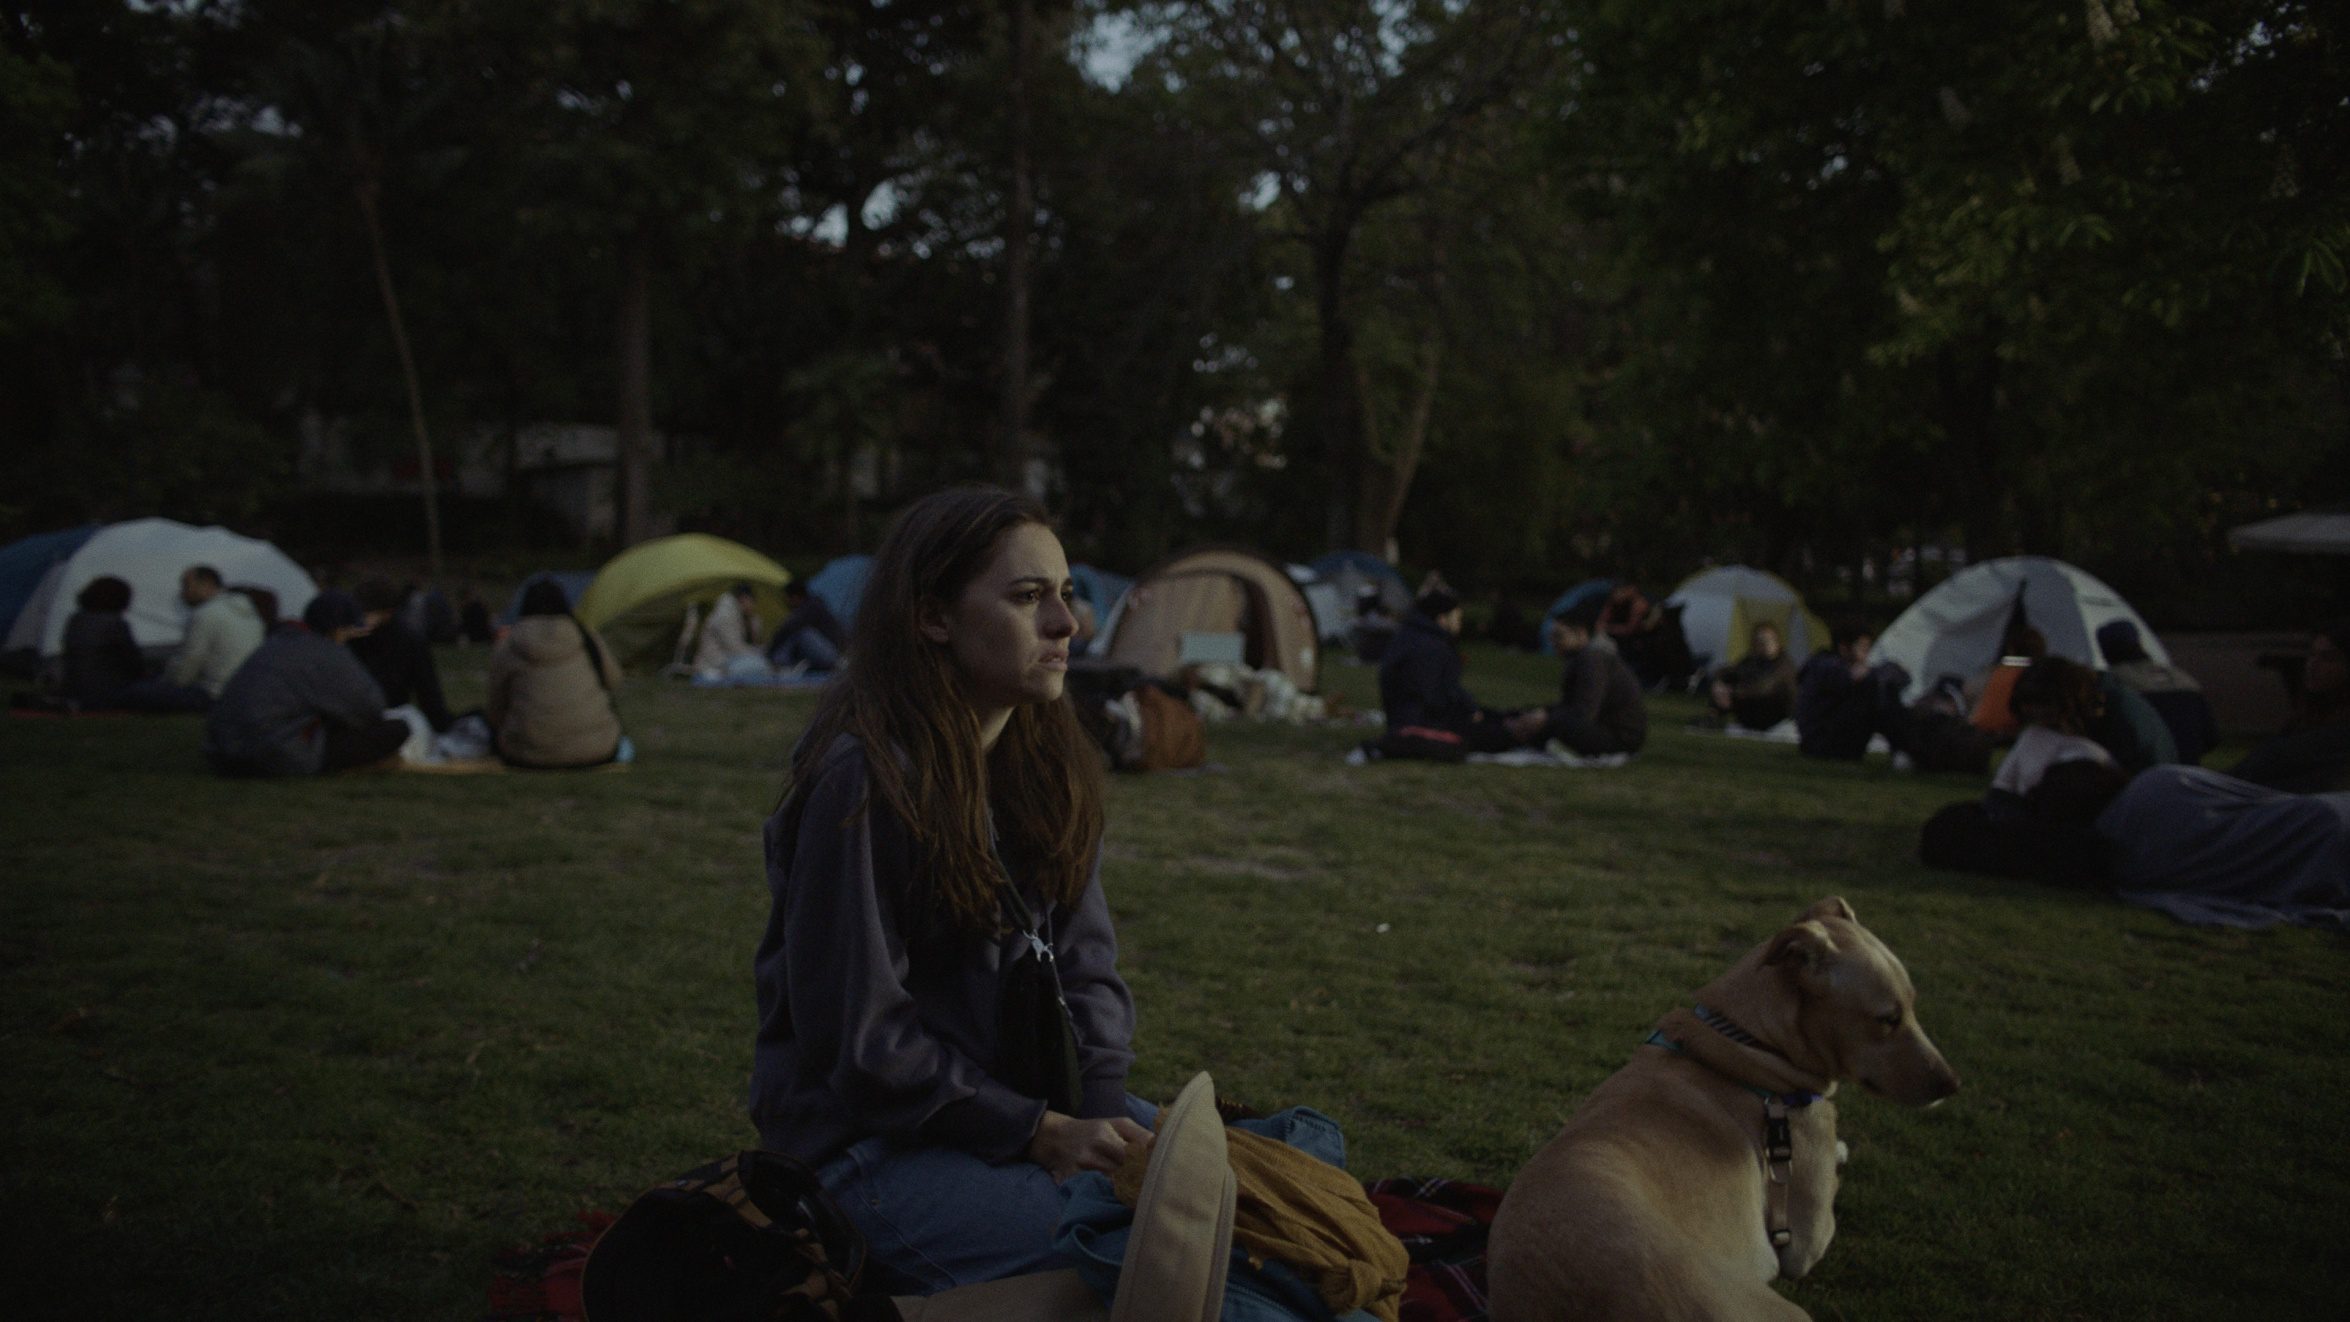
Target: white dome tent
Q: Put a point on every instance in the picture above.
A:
(1956, 628)
(2310, 532)
(150, 555)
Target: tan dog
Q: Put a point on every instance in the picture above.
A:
(1704, 1168)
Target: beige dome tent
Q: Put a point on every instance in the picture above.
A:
(1215, 603)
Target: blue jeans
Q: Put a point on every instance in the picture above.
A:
(807, 645)
(934, 1218)
(158, 695)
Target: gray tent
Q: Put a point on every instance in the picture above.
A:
(2311, 532)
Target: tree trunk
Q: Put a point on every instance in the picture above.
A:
(1388, 470)
(1341, 403)
(428, 478)
(1020, 469)
(632, 495)
(1969, 388)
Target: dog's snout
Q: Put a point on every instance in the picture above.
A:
(1945, 1083)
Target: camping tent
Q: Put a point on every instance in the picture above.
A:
(1956, 628)
(1099, 588)
(1193, 606)
(840, 585)
(1721, 606)
(1332, 607)
(639, 599)
(1101, 591)
(1353, 571)
(28, 560)
(2311, 532)
(150, 555)
(574, 583)
(1335, 584)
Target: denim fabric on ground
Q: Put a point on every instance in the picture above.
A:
(934, 1218)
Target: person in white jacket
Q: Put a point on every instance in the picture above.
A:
(224, 628)
(729, 644)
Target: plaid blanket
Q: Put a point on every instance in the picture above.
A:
(1442, 1224)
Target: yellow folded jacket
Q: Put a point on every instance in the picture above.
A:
(1308, 1214)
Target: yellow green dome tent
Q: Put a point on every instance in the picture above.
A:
(639, 599)
(1721, 606)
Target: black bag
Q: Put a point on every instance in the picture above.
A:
(1037, 1055)
(750, 1237)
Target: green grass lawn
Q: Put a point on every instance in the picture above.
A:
(320, 1049)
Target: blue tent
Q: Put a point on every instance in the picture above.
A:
(1099, 588)
(1568, 600)
(1362, 565)
(24, 563)
(840, 585)
(1101, 591)
(572, 581)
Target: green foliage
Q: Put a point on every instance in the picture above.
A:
(36, 102)
(1538, 291)
(2059, 269)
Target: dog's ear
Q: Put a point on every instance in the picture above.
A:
(1832, 907)
(1803, 947)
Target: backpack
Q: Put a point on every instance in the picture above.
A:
(749, 1237)
(1173, 735)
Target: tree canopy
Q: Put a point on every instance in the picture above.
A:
(1523, 291)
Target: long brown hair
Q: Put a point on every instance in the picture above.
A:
(2066, 690)
(899, 694)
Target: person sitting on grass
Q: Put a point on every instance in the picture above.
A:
(2174, 694)
(1842, 700)
(2312, 753)
(810, 637)
(2055, 703)
(728, 646)
(1600, 711)
(224, 626)
(935, 869)
(551, 683)
(302, 704)
(1757, 690)
(101, 661)
(397, 655)
(1420, 685)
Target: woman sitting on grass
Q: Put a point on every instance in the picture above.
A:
(943, 804)
(101, 659)
(550, 688)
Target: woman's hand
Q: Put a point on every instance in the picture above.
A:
(1065, 1145)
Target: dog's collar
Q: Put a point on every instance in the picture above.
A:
(1778, 1133)
(1791, 1100)
(1722, 1023)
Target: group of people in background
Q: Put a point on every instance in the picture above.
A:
(1429, 712)
(2100, 782)
(810, 641)
(1843, 701)
(322, 693)
(2267, 840)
